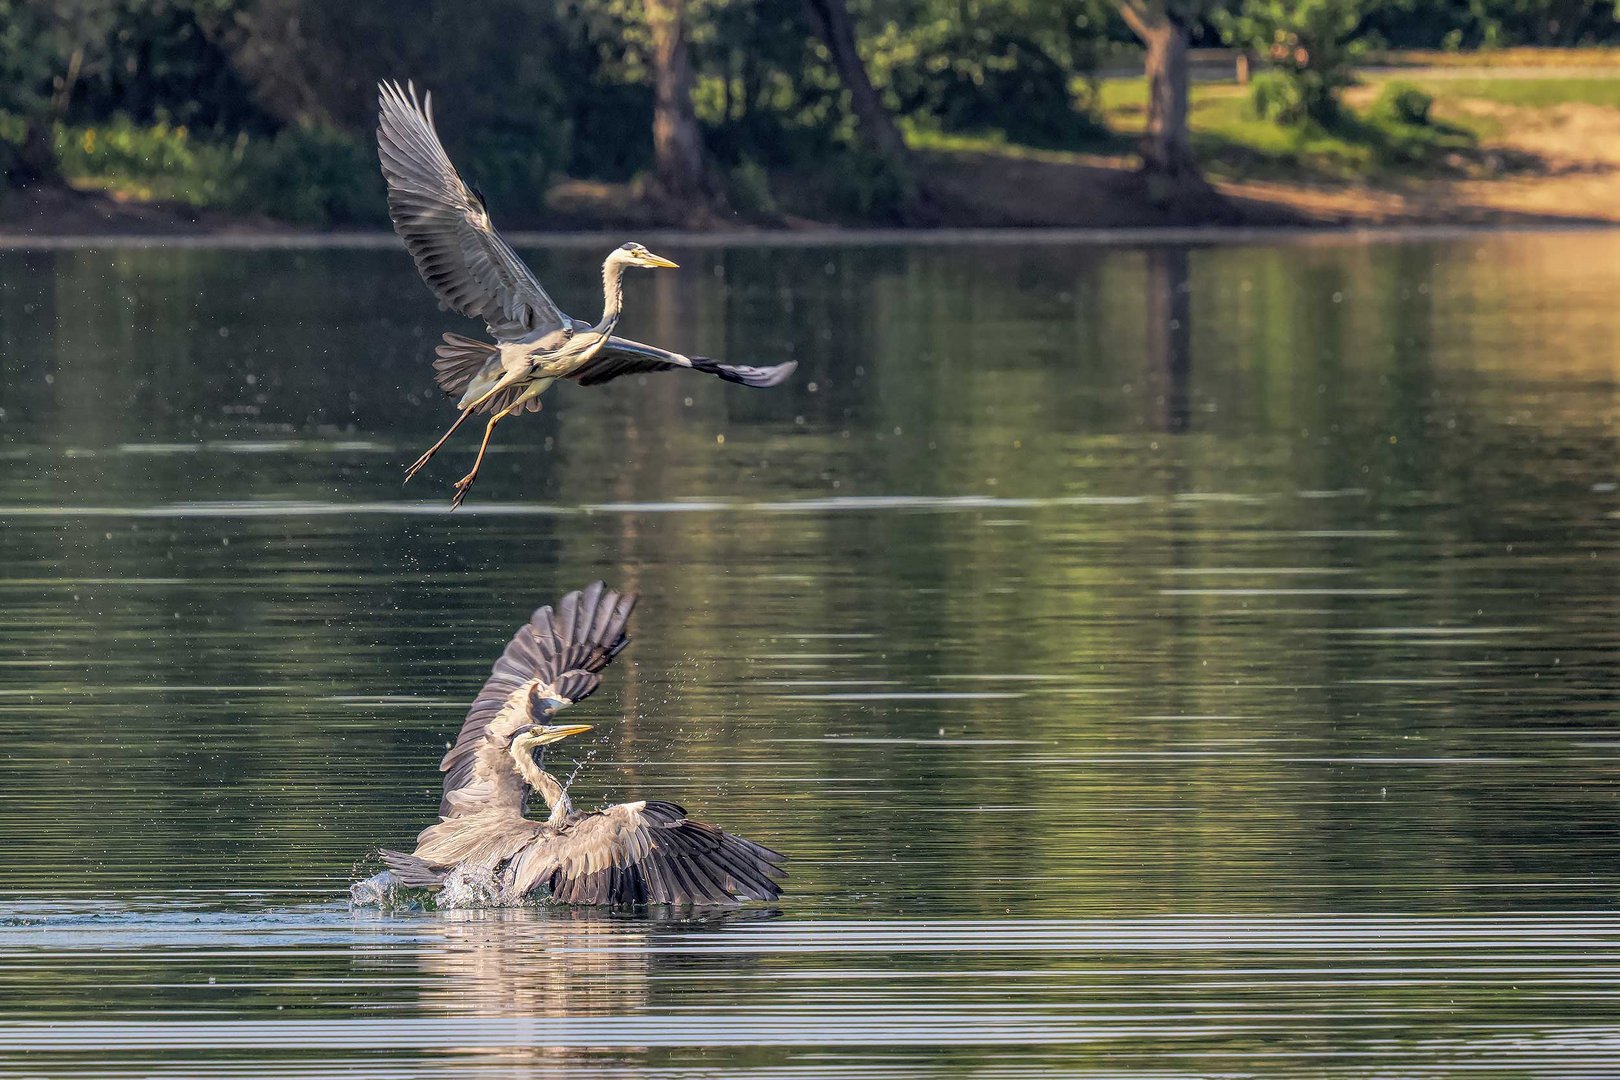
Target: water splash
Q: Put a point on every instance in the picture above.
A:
(464, 887)
(470, 887)
(579, 767)
(385, 892)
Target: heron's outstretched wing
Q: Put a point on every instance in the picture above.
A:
(645, 853)
(447, 229)
(621, 356)
(552, 662)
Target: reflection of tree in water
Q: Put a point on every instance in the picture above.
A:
(1169, 335)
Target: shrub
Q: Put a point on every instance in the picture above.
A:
(970, 78)
(13, 129)
(1403, 129)
(120, 148)
(1312, 44)
(1403, 103)
(866, 184)
(1276, 97)
(10, 162)
(749, 188)
(160, 160)
(313, 176)
(29, 55)
(511, 176)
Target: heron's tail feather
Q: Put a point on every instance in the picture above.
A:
(411, 871)
(743, 374)
(460, 361)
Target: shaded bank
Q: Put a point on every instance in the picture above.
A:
(977, 195)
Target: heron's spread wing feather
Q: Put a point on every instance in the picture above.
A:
(621, 356)
(447, 228)
(412, 871)
(645, 853)
(553, 661)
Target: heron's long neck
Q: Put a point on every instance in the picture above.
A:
(612, 295)
(548, 787)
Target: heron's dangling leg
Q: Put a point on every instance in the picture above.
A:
(436, 447)
(465, 484)
(466, 411)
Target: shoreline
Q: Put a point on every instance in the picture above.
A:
(1541, 154)
(830, 237)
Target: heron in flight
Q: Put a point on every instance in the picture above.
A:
(644, 852)
(447, 229)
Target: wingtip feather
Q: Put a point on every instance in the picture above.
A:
(744, 375)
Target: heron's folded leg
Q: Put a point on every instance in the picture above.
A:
(436, 447)
(465, 484)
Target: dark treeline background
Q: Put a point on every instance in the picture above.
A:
(747, 105)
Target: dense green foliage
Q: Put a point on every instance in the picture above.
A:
(1488, 24)
(266, 105)
(26, 58)
(1311, 47)
(1403, 131)
(1008, 66)
(308, 175)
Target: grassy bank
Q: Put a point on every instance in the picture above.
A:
(1372, 141)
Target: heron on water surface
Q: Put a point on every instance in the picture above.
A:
(447, 229)
(486, 849)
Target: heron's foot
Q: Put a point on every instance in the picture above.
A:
(416, 466)
(463, 486)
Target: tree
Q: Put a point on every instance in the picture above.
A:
(677, 142)
(832, 24)
(1312, 47)
(31, 56)
(1167, 158)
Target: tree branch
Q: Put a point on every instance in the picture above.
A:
(1137, 17)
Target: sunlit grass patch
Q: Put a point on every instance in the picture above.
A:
(996, 143)
(144, 163)
(311, 176)
(1529, 93)
(1234, 142)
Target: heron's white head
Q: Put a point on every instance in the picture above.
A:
(633, 254)
(534, 736)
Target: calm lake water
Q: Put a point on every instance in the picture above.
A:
(1156, 662)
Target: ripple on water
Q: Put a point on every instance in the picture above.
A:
(1271, 735)
(1311, 994)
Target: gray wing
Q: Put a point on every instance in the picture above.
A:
(621, 356)
(550, 663)
(646, 853)
(448, 231)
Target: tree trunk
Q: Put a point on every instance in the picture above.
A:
(677, 143)
(832, 24)
(35, 163)
(1166, 147)
(1167, 158)
(836, 30)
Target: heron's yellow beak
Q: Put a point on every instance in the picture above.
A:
(545, 736)
(660, 262)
